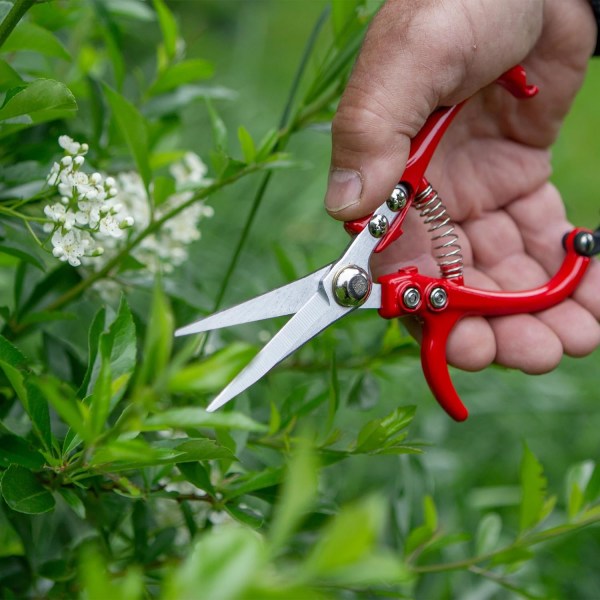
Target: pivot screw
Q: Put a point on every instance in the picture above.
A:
(438, 297)
(398, 199)
(584, 243)
(351, 286)
(378, 226)
(411, 298)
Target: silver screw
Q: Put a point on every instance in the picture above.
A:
(411, 297)
(584, 243)
(351, 286)
(378, 226)
(399, 197)
(438, 297)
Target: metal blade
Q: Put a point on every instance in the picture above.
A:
(317, 314)
(284, 300)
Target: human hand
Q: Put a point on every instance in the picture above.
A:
(491, 168)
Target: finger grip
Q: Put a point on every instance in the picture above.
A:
(435, 365)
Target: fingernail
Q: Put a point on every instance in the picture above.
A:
(343, 189)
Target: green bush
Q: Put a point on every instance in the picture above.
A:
(325, 481)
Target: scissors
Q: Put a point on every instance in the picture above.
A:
(338, 289)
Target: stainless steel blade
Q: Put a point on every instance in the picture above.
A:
(285, 300)
(317, 314)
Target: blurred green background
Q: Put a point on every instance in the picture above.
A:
(469, 469)
(472, 467)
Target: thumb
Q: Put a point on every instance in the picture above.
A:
(414, 59)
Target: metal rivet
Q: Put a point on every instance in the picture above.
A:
(438, 297)
(411, 298)
(399, 197)
(351, 286)
(378, 226)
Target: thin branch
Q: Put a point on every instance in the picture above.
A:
(16, 13)
(285, 133)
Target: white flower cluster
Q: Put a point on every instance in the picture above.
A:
(88, 212)
(167, 248)
(94, 211)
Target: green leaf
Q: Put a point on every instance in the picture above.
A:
(73, 412)
(132, 9)
(94, 333)
(115, 359)
(100, 400)
(214, 372)
(267, 144)
(24, 493)
(221, 566)
(159, 338)
(533, 490)
(16, 451)
(343, 12)
(255, 481)
(187, 71)
(41, 100)
(196, 474)
(123, 455)
(9, 78)
(11, 354)
(418, 538)
(512, 556)
(577, 480)
(168, 27)
(430, 513)
(98, 584)
(488, 534)
(217, 124)
(247, 145)
(73, 500)
(132, 126)
(163, 186)
(383, 434)
(297, 496)
(195, 418)
(29, 36)
(39, 413)
(17, 381)
(348, 538)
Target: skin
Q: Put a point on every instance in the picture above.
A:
(492, 167)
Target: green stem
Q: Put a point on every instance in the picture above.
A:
(285, 134)
(84, 284)
(524, 542)
(20, 7)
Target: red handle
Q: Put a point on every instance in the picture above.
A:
(424, 144)
(439, 311)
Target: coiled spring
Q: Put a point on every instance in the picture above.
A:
(447, 250)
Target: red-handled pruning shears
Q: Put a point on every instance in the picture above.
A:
(323, 297)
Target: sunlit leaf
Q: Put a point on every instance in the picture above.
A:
(247, 145)
(168, 27)
(187, 71)
(159, 337)
(297, 495)
(194, 418)
(577, 480)
(221, 566)
(41, 99)
(533, 490)
(349, 537)
(214, 372)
